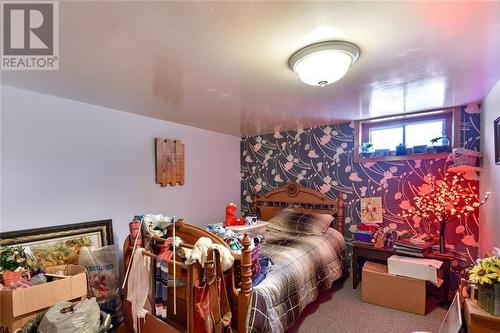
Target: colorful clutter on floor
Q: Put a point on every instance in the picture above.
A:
(19, 269)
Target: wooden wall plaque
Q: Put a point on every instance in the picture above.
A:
(169, 162)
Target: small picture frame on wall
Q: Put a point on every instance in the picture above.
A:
(496, 125)
(371, 210)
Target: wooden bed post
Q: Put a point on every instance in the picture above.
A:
(254, 203)
(340, 213)
(246, 284)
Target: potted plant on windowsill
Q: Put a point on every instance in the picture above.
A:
(444, 145)
(367, 150)
(486, 275)
(401, 150)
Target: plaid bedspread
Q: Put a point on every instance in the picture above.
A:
(303, 266)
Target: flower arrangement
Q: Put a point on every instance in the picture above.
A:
(442, 201)
(17, 259)
(486, 275)
(486, 271)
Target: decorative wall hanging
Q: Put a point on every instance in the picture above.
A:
(169, 162)
(371, 210)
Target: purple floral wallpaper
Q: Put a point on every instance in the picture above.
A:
(321, 158)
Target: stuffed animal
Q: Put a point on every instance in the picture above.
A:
(231, 216)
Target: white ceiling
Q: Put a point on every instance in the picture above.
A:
(223, 65)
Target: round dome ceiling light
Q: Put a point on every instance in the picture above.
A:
(323, 63)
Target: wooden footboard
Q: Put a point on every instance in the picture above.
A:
(239, 296)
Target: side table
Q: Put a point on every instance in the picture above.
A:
(362, 251)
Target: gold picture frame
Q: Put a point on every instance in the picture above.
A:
(60, 245)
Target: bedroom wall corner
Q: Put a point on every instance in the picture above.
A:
(489, 228)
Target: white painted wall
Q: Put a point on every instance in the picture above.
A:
(489, 228)
(65, 161)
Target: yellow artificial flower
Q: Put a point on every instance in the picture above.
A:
(490, 261)
(484, 273)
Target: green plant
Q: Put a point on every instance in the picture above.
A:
(365, 147)
(436, 139)
(14, 257)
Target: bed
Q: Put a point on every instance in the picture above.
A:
(304, 265)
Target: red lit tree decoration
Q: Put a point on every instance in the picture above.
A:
(442, 201)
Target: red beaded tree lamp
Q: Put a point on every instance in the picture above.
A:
(445, 200)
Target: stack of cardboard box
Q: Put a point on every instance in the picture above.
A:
(401, 284)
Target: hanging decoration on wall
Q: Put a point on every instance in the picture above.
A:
(371, 210)
(169, 162)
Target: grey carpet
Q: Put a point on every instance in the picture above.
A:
(341, 310)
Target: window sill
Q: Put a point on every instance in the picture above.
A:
(427, 156)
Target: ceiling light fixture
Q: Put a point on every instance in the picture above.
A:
(323, 63)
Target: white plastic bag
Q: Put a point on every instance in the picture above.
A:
(63, 317)
(104, 278)
(103, 270)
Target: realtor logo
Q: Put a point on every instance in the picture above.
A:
(30, 35)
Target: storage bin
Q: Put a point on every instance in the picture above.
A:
(488, 298)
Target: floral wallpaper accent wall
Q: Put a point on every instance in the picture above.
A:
(321, 158)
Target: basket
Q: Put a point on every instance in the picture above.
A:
(463, 159)
(488, 298)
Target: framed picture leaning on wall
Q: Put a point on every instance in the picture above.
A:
(61, 244)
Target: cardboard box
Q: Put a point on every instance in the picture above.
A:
(20, 305)
(401, 293)
(417, 268)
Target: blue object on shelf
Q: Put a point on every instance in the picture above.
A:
(363, 236)
(382, 152)
(422, 149)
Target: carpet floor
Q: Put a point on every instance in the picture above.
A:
(341, 310)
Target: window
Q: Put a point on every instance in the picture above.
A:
(386, 138)
(412, 134)
(410, 130)
(418, 134)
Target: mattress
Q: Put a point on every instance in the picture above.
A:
(303, 266)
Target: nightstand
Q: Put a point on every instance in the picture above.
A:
(362, 252)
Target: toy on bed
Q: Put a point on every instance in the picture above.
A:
(235, 242)
(231, 216)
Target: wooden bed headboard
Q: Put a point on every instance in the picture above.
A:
(298, 197)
